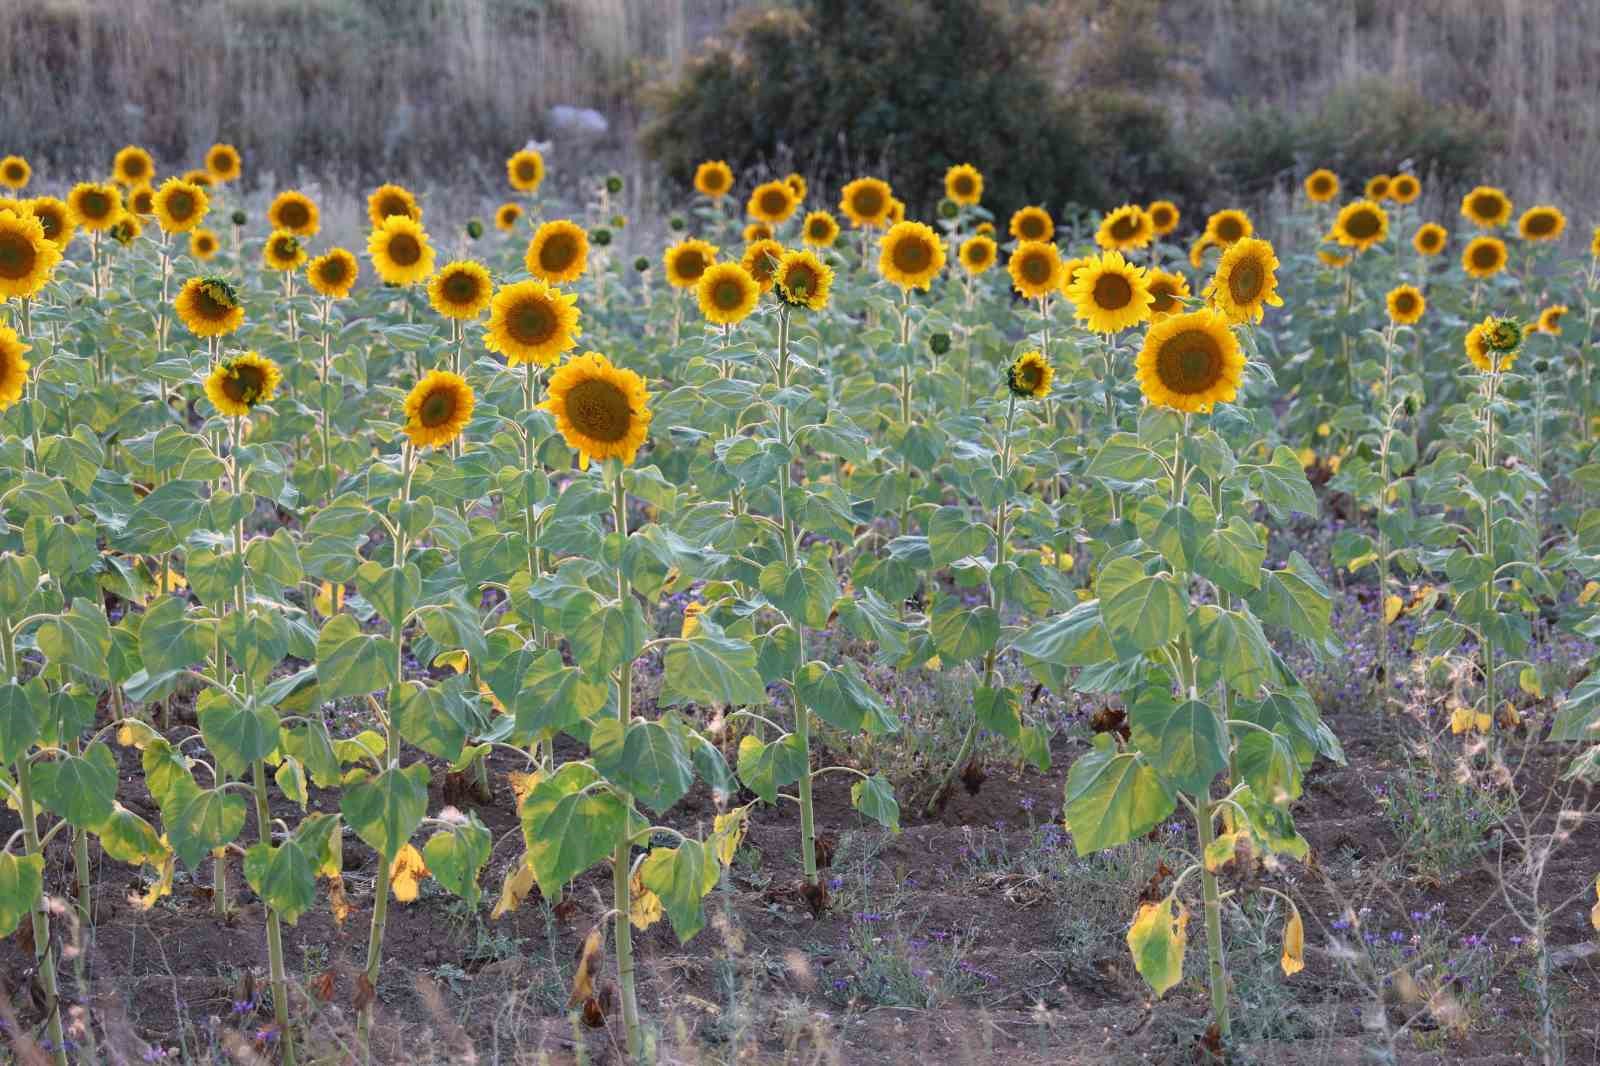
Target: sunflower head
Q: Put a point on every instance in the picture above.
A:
(804, 280)
(1404, 188)
(1111, 293)
(1406, 305)
(1321, 185)
(727, 293)
(532, 322)
(797, 186)
(713, 178)
(1197, 251)
(13, 367)
(222, 163)
(819, 230)
(132, 166)
(1486, 207)
(757, 231)
(771, 202)
(333, 274)
(977, 253)
(203, 244)
(1126, 228)
(1226, 227)
(1030, 374)
(1163, 216)
(390, 199)
(506, 217)
(1246, 281)
(867, 202)
(56, 219)
(15, 172)
(437, 409)
(760, 261)
(1035, 268)
(1484, 257)
(1492, 345)
(1544, 222)
(1032, 223)
(1377, 187)
(912, 255)
(687, 260)
(95, 206)
(27, 256)
(1550, 319)
(142, 200)
(1361, 225)
(963, 184)
(400, 251)
(1430, 239)
(283, 251)
(1167, 292)
(127, 229)
(601, 410)
(209, 306)
(1190, 362)
(236, 385)
(525, 170)
(1335, 259)
(294, 212)
(1594, 243)
(180, 205)
(558, 252)
(461, 290)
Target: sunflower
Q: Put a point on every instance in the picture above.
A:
(772, 202)
(294, 211)
(55, 217)
(1484, 257)
(1377, 187)
(1332, 258)
(461, 289)
(1550, 319)
(400, 251)
(1035, 268)
(389, 199)
(911, 256)
(438, 408)
(203, 244)
(235, 385)
(1226, 227)
(867, 202)
(26, 255)
(559, 252)
(283, 251)
(1430, 239)
(760, 261)
(820, 229)
(525, 171)
(602, 411)
(506, 216)
(984, 228)
(713, 178)
(757, 231)
(1167, 291)
(1480, 348)
(977, 254)
(13, 367)
(94, 206)
(797, 185)
(222, 163)
(1404, 188)
(1486, 207)
(1360, 225)
(1163, 216)
(1190, 362)
(1197, 251)
(804, 280)
(180, 205)
(1030, 375)
(132, 166)
(687, 260)
(727, 293)
(1126, 228)
(209, 307)
(142, 200)
(1111, 293)
(1594, 243)
(199, 176)
(333, 274)
(15, 172)
(897, 211)
(127, 229)
(1406, 305)
(1070, 268)
(1544, 222)
(1032, 224)
(532, 322)
(963, 184)
(1321, 185)
(1246, 282)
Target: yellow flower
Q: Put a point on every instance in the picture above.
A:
(727, 293)
(203, 244)
(15, 172)
(294, 211)
(1190, 362)
(1294, 945)
(1392, 606)
(236, 385)
(1246, 282)
(760, 261)
(559, 252)
(1229, 226)
(1035, 269)
(209, 307)
(132, 166)
(1406, 305)
(713, 178)
(804, 280)
(1032, 223)
(1197, 251)
(1486, 207)
(525, 170)
(1377, 188)
(1480, 350)
(283, 251)
(1594, 243)
(1324, 429)
(1404, 188)
(1164, 216)
(13, 367)
(771, 202)
(1030, 375)
(1321, 185)
(984, 229)
(897, 210)
(1544, 222)
(1360, 225)
(820, 229)
(977, 254)
(333, 274)
(127, 229)
(1550, 319)
(1484, 257)
(198, 176)
(1466, 720)
(912, 255)
(531, 322)
(1430, 239)
(222, 163)
(757, 231)
(438, 408)
(56, 219)
(866, 202)
(461, 290)
(400, 251)
(1111, 294)
(406, 873)
(1126, 228)
(797, 185)
(1329, 257)
(388, 199)
(963, 184)
(506, 216)
(94, 206)
(141, 200)
(602, 411)
(687, 260)
(1167, 291)
(27, 256)
(691, 619)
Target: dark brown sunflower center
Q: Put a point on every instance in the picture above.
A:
(531, 322)
(1164, 298)
(285, 248)
(243, 384)
(977, 253)
(1027, 375)
(209, 307)
(1362, 224)
(1485, 256)
(1404, 187)
(461, 288)
(818, 229)
(222, 162)
(1031, 227)
(1036, 268)
(598, 409)
(558, 252)
(404, 249)
(204, 243)
(142, 202)
(1405, 303)
(712, 180)
(294, 215)
(1161, 217)
(526, 170)
(52, 223)
(800, 280)
(1486, 205)
(437, 408)
(912, 255)
(1189, 363)
(868, 202)
(690, 264)
(133, 167)
(181, 205)
(95, 204)
(775, 201)
(763, 264)
(1112, 292)
(15, 172)
(1125, 228)
(332, 272)
(963, 185)
(1378, 189)
(1322, 185)
(1244, 284)
(1229, 229)
(393, 205)
(727, 295)
(1431, 239)
(1540, 224)
(17, 256)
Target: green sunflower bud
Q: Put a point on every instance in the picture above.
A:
(474, 228)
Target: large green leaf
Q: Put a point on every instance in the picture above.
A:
(21, 882)
(353, 663)
(1283, 486)
(1232, 557)
(1269, 763)
(962, 632)
(567, 829)
(393, 590)
(1113, 797)
(1186, 741)
(1231, 645)
(1294, 598)
(842, 698)
(80, 638)
(1142, 611)
(19, 722)
(80, 788)
(804, 593)
(126, 837)
(203, 819)
(456, 854)
(646, 760)
(1578, 718)
(1077, 637)
(171, 639)
(952, 535)
(434, 717)
(238, 733)
(874, 797)
(711, 669)
(385, 810)
(681, 877)
(766, 767)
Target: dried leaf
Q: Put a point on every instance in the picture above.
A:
(406, 873)
(1294, 945)
(591, 956)
(514, 889)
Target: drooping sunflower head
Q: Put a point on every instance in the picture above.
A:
(1071, 266)
(820, 229)
(400, 251)
(390, 199)
(1544, 222)
(438, 408)
(142, 200)
(771, 202)
(1321, 185)
(559, 252)
(294, 211)
(1493, 344)
(1190, 362)
(727, 293)
(525, 170)
(760, 261)
(95, 206)
(1406, 305)
(1333, 258)
(1404, 188)
(132, 165)
(797, 186)
(198, 176)
(1032, 223)
(601, 410)
(283, 251)
(209, 306)
(1484, 257)
(532, 322)
(126, 229)
(1594, 243)
(1126, 228)
(1111, 293)
(1246, 282)
(1550, 319)
(713, 178)
(334, 273)
(804, 280)
(1360, 225)
(222, 163)
(757, 231)
(203, 244)
(27, 256)
(461, 289)
(1486, 207)
(978, 253)
(237, 384)
(1167, 292)
(506, 217)
(1197, 251)
(13, 367)
(1030, 374)
(15, 172)
(911, 256)
(180, 205)
(1163, 216)
(963, 184)
(687, 260)
(1035, 268)
(1226, 227)
(1377, 188)
(1430, 239)
(867, 202)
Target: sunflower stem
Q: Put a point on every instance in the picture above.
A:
(622, 860)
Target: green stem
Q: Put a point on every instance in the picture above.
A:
(1215, 968)
(275, 970)
(622, 861)
(327, 409)
(43, 953)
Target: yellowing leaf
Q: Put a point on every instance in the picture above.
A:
(1528, 681)
(133, 733)
(1392, 606)
(494, 701)
(1158, 937)
(1594, 914)
(1294, 945)
(163, 885)
(726, 832)
(516, 887)
(644, 906)
(329, 599)
(1323, 429)
(1590, 590)
(591, 955)
(1221, 851)
(691, 619)
(1361, 560)
(522, 784)
(337, 903)
(1465, 720)
(455, 660)
(406, 873)
(933, 662)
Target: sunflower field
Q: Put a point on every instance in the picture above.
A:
(486, 577)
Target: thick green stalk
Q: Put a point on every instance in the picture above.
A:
(622, 861)
(327, 410)
(905, 392)
(275, 970)
(1217, 975)
(43, 953)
